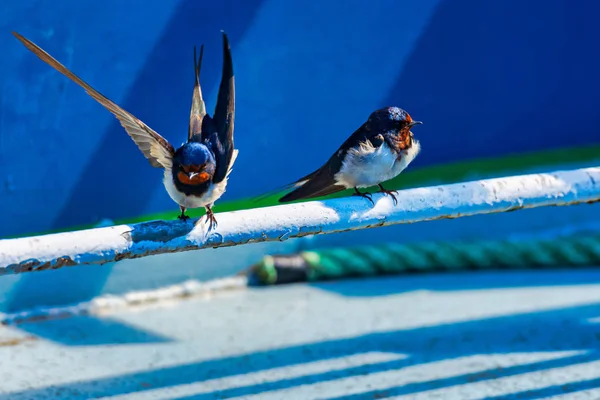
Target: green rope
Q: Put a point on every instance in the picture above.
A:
(394, 258)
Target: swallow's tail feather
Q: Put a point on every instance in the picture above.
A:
(198, 110)
(319, 184)
(284, 188)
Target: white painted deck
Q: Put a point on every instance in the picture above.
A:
(464, 336)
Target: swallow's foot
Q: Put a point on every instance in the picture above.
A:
(182, 216)
(365, 195)
(210, 218)
(390, 192)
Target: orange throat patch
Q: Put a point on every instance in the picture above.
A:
(403, 140)
(197, 179)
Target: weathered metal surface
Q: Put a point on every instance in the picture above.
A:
(103, 245)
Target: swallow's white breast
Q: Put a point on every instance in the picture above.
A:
(368, 166)
(213, 193)
(184, 200)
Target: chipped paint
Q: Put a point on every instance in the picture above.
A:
(17, 341)
(110, 302)
(278, 223)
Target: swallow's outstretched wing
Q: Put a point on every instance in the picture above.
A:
(224, 116)
(198, 111)
(154, 147)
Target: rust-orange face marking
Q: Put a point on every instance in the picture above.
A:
(190, 175)
(403, 140)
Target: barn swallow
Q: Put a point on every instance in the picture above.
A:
(377, 151)
(195, 175)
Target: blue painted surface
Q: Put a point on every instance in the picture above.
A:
(307, 75)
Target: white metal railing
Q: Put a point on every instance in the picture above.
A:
(103, 245)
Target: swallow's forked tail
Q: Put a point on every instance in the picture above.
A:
(320, 183)
(284, 188)
(198, 110)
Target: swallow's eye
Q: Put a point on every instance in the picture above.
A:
(406, 123)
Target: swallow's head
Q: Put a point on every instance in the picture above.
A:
(396, 124)
(393, 117)
(193, 164)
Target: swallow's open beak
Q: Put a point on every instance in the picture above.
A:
(192, 174)
(415, 123)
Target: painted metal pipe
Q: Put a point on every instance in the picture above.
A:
(109, 244)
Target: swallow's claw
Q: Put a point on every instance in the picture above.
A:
(365, 195)
(210, 219)
(182, 216)
(391, 193)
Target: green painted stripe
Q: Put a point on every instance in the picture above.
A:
(426, 176)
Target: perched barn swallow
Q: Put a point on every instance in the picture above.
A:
(377, 151)
(195, 175)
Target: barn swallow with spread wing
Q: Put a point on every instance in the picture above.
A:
(376, 152)
(195, 175)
